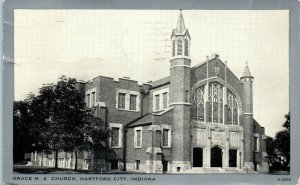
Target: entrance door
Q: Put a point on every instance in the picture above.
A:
(232, 158)
(216, 157)
(165, 166)
(197, 157)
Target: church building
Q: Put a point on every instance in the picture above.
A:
(199, 119)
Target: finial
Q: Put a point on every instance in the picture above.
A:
(225, 62)
(180, 10)
(246, 62)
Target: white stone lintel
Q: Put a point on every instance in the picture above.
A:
(153, 150)
(180, 103)
(154, 128)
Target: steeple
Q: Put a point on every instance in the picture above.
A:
(247, 73)
(181, 39)
(180, 24)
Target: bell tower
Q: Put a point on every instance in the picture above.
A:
(247, 80)
(180, 68)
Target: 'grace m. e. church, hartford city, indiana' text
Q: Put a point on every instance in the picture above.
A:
(199, 119)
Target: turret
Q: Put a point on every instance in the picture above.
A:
(247, 80)
(180, 67)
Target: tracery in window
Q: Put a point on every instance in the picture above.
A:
(198, 104)
(214, 108)
(217, 96)
(232, 110)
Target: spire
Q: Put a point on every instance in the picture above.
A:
(180, 24)
(247, 72)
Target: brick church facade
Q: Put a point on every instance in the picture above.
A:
(199, 119)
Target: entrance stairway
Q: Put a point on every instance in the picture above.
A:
(215, 170)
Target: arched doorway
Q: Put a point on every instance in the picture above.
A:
(197, 157)
(232, 158)
(216, 157)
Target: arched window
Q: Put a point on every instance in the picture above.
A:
(214, 110)
(232, 110)
(186, 47)
(198, 104)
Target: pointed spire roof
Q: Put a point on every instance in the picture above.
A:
(180, 24)
(246, 72)
(180, 28)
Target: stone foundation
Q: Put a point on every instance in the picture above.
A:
(180, 166)
(263, 168)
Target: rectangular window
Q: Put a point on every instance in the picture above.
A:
(186, 47)
(173, 48)
(186, 96)
(179, 47)
(93, 98)
(157, 102)
(121, 100)
(133, 102)
(165, 137)
(138, 135)
(165, 100)
(115, 136)
(88, 100)
(256, 144)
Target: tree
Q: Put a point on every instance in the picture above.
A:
(271, 151)
(278, 149)
(96, 134)
(283, 141)
(57, 119)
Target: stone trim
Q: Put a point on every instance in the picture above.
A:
(155, 150)
(248, 113)
(135, 137)
(180, 103)
(160, 94)
(154, 127)
(127, 100)
(169, 127)
(180, 66)
(101, 104)
(120, 126)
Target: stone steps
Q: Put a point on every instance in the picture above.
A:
(215, 170)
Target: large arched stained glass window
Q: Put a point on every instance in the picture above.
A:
(213, 109)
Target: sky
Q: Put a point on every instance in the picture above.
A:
(84, 44)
